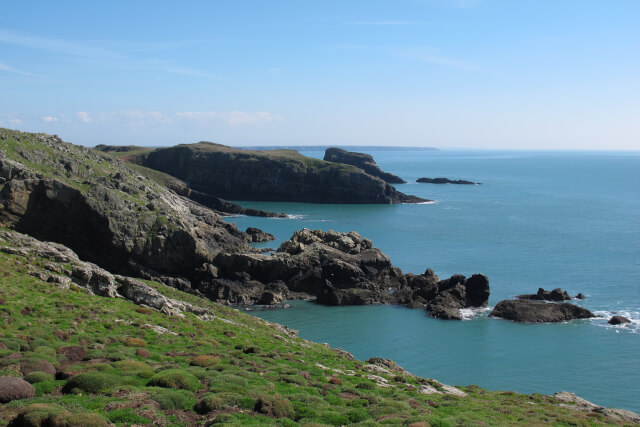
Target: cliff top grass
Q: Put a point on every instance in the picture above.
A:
(143, 367)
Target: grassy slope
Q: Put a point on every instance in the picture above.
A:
(259, 375)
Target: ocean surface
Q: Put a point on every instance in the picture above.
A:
(540, 219)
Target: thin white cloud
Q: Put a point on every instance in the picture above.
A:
(232, 118)
(190, 72)
(382, 23)
(95, 51)
(84, 117)
(136, 117)
(5, 67)
(56, 45)
(49, 119)
(430, 56)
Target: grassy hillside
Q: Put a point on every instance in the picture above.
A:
(143, 367)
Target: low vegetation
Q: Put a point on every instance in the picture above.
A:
(112, 368)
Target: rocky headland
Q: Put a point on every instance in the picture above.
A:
(446, 181)
(362, 161)
(271, 175)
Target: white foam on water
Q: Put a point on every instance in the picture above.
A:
(430, 202)
(295, 216)
(605, 315)
(470, 313)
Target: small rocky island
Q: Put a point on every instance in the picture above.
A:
(446, 181)
(543, 306)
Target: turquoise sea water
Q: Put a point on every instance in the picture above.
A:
(540, 219)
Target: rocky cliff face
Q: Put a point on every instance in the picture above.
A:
(362, 161)
(105, 211)
(276, 175)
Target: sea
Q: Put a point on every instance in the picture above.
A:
(567, 220)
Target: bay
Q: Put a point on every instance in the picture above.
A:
(540, 219)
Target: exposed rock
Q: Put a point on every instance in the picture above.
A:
(97, 280)
(338, 269)
(618, 320)
(580, 296)
(572, 401)
(274, 175)
(446, 181)
(257, 235)
(538, 311)
(542, 295)
(14, 389)
(362, 161)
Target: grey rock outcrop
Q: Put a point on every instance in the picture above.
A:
(256, 235)
(65, 269)
(362, 161)
(339, 269)
(539, 311)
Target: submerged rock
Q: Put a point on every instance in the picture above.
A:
(538, 311)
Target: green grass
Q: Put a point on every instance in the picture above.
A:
(279, 382)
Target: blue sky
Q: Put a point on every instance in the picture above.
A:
(527, 74)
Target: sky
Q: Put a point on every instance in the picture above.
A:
(494, 74)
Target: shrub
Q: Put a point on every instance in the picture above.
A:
(133, 367)
(144, 310)
(38, 377)
(141, 352)
(228, 383)
(175, 378)
(274, 406)
(239, 400)
(80, 420)
(174, 399)
(223, 419)
(208, 403)
(38, 414)
(135, 342)
(45, 387)
(205, 360)
(126, 416)
(91, 382)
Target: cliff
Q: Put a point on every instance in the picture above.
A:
(361, 161)
(106, 211)
(275, 175)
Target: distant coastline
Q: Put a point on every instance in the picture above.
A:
(346, 147)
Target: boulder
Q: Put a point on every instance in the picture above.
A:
(618, 320)
(256, 235)
(539, 311)
(361, 161)
(14, 389)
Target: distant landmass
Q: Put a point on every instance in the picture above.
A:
(346, 147)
